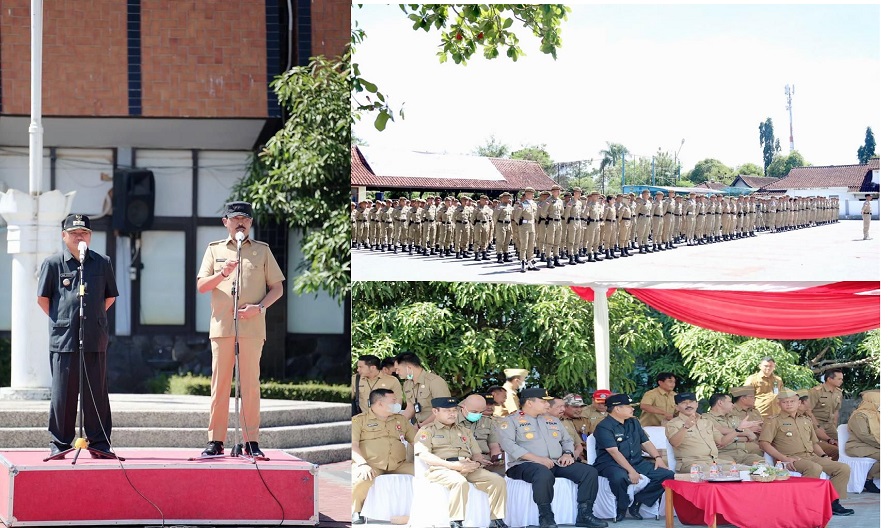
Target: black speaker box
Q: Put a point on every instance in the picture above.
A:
(133, 201)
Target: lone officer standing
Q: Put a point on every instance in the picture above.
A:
(524, 216)
(515, 383)
(420, 387)
(379, 447)
(456, 461)
(57, 296)
(540, 449)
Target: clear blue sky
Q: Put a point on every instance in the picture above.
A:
(647, 76)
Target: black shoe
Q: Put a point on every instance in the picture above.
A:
(55, 449)
(557, 263)
(101, 452)
(870, 487)
(500, 258)
(253, 449)
(497, 523)
(522, 268)
(545, 517)
(357, 519)
(214, 448)
(585, 516)
(532, 267)
(620, 517)
(837, 509)
(634, 511)
(456, 524)
(485, 256)
(549, 263)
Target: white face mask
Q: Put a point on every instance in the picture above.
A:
(395, 408)
(409, 374)
(522, 386)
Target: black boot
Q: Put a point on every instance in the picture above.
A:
(532, 267)
(550, 263)
(837, 509)
(870, 487)
(595, 257)
(545, 516)
(485, 255)
(507, 257)
(634, 511)
(456, 524)
(578, 259)
(426, 252)
(522, 267)
(557, 263)
(500, 258)
(609, 255)
(572, 260)
(586, 518)
(477, 256)
(590, 257)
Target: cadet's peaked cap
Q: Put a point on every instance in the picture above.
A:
(600, 395)
(535, 393)
(483, 197)
(239, 209)
(530, 189)
(786, 394)
(577, 189)
(573, 400)
(619, 399)
(489, 399)
(738, 392)
(443, 403)
(684, 396)
(555, 187)
(545, 192)
(76, 221)
(508, 195)
(510, 373)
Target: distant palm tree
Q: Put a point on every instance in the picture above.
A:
(611, 155)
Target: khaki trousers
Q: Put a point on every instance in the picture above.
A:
(866, 222)
(360, 488)
(525, 241)
(870, 452)
(459, 489)
(249, 353)
(812, 466)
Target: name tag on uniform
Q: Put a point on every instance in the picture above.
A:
(220, 260)
(438, 436)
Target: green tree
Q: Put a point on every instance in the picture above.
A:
(464, 31)
(492, 148)
(867, 151)
(768, 142)
(749, 169)
(301, 177)
(782, 164)
(611, 157)
(710, 169)
(534, 153)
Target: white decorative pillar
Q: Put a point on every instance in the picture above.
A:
(601, 336)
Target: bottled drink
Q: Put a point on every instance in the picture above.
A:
(734, 470)
(695, 473)
(584, 432)
(715, 470)
(775, 387)
(780, 465)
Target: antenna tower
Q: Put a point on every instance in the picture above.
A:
(789, 91)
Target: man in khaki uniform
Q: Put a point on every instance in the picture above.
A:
(694, 439)
(482, 221)
(825, 402)
(445, 218)
(420, 387)
(866, 216)
(553, 229)
(625, 225)
(515, 383)
(260, 286)
(503, 215)
(596, 411)
(766, 387)
(456, 461)
(657, 405)
(569, 410)
(609, 228)
(499, 397)
(574, 228)
(865, 435)
(428, 225)
(828, 444)
(472, 416)
(740, 443)
(525, 216)
(370, 378)
(462, 227)
(743, 407)
(790, 437)
(379, 446)
(644, 227)
(400, 223)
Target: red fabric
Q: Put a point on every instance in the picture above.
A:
(588, 293)
(824, 311)
(790, 503)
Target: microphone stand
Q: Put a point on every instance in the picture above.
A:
(81, 443)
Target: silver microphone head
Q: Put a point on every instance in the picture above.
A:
(239, 236)
(82, 249)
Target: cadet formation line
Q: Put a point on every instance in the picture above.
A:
(575, 228)
(523, 433)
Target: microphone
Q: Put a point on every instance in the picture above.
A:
(239, 236)
(82, 249)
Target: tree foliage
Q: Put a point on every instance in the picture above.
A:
(782, 164)
(301, 176)
(464, 31)
(749, 169)
(492, 148)
(711, 169)
(536, 153)
(867, 151)
(768, 142)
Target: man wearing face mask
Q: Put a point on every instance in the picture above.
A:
(260, 285)
(472, 416)
(515, 383)
(420, 387)
(379, 446)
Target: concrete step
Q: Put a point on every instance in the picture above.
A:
(286, 437)
(326, 454)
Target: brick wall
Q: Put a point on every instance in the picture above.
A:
(331, 21)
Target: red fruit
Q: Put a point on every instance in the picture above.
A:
(459, 36)
(480, 36)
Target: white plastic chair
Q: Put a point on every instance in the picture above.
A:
(772, 461)
(430, 505)
(606, 504)
(859, 466)
(521, 507)
(390, 496)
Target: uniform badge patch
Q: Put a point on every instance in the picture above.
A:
(555, 434)
(423, 436)
(529, 435)
(504, 425)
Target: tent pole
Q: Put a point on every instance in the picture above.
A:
(601, 336)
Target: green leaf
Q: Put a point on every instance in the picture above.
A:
(382, 119)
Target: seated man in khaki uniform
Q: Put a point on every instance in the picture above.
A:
(827, 444)
(499, 394)
(865, 435)
(455, 461)
(657, 405)
(370, 378)
(694, 440)
(379, 437)
(557, 410)
(473, 416)
(596, 411)
(741, 442)
(790, 437)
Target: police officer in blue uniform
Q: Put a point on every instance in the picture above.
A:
(539, 450)
(620, 441)
(57, 296)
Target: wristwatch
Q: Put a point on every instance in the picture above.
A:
(262, 308)
(738, 430)
(568, 453)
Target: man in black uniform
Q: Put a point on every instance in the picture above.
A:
(540, 449)
(57, 296)
(620, 441)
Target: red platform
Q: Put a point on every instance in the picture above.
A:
(213, 492)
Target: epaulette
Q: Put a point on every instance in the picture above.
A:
(260, 242)
(215, 242)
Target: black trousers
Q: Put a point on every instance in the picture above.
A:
(619, 481)
(63, 406)
(543, 479)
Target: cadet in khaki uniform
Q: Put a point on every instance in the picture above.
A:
(865, 435)
(428, 225)
(420, 387)
(625, 225)
(790, 437)
(694, 440)
(553, 229)
(515, 383)
(472, 416)
(456, 461)
(593, 213)
(400, 221)
(260, 286)
(462, 227)
(354, 224)
(866, 216)
(740, 443)
(503, 215)
(608, 228)
(539, 450)
(596, 411)
(574, 228)
(380, 437)
(766, 387)
(525, 216)
(657, 405)
(445, 217)
(482, 220)
(689, 222)
(370, 378)
(825, 401)
(644, 226)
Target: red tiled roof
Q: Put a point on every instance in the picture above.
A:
(716, 186)
(755, 182)
(518, 174)
(850, 176)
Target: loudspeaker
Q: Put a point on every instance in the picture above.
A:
(133, 200)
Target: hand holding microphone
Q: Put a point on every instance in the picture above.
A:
(82, 249)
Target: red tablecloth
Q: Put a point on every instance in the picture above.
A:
(794, 503)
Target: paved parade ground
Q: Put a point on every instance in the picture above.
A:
(832, 252)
